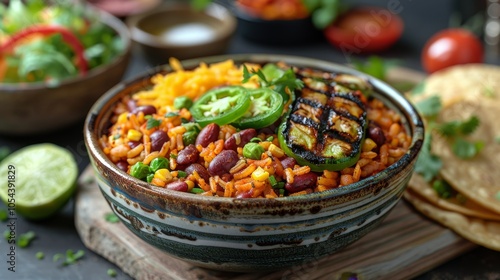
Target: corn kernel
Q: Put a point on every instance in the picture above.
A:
(122, 118)
(134, 135)
(260, 174)
(369, 145)
(190, 184)
(276, 151)
(163, 174)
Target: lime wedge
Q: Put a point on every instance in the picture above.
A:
(38, 180)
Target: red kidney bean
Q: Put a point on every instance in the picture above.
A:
(188, 155)
(247, 194)
(133, 144)
(302, 182)
(146, 109)
(200, 169)
(288, 162)
(180, 186)
(223, 162)
(158, 138)
(376, 134)
(207, 135)
(123, 165)
(239, 139)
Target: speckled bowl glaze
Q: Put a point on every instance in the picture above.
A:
(251, 234)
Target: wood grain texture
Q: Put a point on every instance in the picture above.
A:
(406, 244)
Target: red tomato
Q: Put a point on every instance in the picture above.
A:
(451, 47)
(364, 30)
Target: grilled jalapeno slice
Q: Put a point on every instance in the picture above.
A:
(221, 106)
(266, 108)
(326, 127)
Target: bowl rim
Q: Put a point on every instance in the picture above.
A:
(410, 114)
(213, 10)
(108, 19)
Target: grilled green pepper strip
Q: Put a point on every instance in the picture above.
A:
(266, 108)
(221, 106)
(326, 127)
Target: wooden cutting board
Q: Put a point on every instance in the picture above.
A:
(405, 245)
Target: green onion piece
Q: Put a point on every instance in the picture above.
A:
(181, 174)
(272, 180)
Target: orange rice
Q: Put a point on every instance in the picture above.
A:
(249, 177)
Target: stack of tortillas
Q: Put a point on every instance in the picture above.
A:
(465, 91)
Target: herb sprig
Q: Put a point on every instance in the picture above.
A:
(273, 77)
(428, 164)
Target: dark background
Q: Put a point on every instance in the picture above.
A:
(422, 19)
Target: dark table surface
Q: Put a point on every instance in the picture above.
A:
(58, 234)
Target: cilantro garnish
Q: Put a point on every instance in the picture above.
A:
(457, 128)
(25, 239)
(111, 272)
(171, 114)
(428, 164)
(455, 131)
(40, 255)
(111, 218)
(443, 189)
(429, 107)
(273, 77)
(497, 139)
(497, 196)
(152, 123)
(71, 257)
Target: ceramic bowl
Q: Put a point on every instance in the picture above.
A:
(27, 109)
(179, 31)
(251, 234)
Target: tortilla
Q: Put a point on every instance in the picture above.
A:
(418, 185)
(469, 82)
(477, 178)
(483, 232)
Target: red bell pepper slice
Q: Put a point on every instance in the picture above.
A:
(48, 30)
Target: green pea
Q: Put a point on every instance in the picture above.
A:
(253, 150)
(182, 102)
(139, 170)
(189, 137)
(158, 163)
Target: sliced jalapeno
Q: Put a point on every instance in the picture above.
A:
(221, 106)
(265, 109)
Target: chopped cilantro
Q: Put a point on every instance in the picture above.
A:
(25, 239)
(465, 149)
(418, 89)
(40, 255)
(497, 196)
(375, 66)
(489, 91)
(152, 123)
(428, 164)
(71, 257)
(273, 77)
(171, 114)
(457, 128)
(111, 272)
(497, 139)
(111, 218)
(429, 107)
(443, 189)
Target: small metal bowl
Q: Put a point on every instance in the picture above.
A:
(180, 31)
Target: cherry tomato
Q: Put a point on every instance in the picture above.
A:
(451, 47)
(365, 30)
